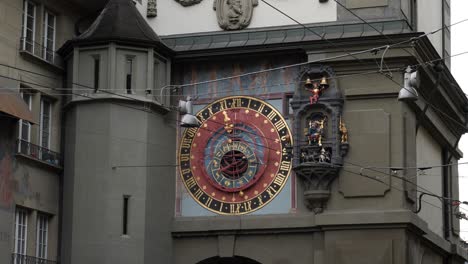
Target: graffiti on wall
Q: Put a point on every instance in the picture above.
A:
(14, 181)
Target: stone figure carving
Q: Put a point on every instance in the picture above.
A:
(234, 14)
(188, 2)
(151, 10)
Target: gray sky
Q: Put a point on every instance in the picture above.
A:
(459, 71)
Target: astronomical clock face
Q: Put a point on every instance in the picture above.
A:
(237, 161)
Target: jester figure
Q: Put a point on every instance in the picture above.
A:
(316, 88)
(315, 94)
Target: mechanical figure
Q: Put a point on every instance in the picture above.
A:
(315, 131)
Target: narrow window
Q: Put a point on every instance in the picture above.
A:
(46, 111)
(49, 37)
(29, 26)
(21, 235)
(96, 72)
(129, 73)
(41, 236)
(156, 78)
(125, 215)
(159, 73)
(24, 136)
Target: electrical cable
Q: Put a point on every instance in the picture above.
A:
(132, 99)
(399, 177)
(122, 96)
(333, 44)
(330, 78)
(148, 111)
(319, 35)
(367, 23)
(385, 183)
(277, 68)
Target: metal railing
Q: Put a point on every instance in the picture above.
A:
(24, 259)
(40, 51)
(40, 153)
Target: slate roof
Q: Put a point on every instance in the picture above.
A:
(121, 22)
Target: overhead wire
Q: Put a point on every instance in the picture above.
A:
(86, 87)
(134, 99)
(276, 68)
(141, 101)
(367, 23)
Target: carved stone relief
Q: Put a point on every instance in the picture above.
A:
(188, 2)
(234, 14)
(151, 10)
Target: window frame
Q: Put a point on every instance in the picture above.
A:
(129, 72)
(19, 224)
(21, 121)
(42, 235)
(96, 71)
(45, 47)
(125, 214)
(41, 127)
(26, 4)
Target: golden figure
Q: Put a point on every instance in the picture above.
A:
(343, 131)
(228, 126)
(321, 123)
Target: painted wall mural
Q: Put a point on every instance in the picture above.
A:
(279, 81)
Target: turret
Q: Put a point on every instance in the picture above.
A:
(115, 195)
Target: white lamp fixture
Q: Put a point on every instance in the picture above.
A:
(408, 93)
(185, 108)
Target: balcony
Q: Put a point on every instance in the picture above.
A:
(23, 259)
(39, 153)
(38, 52)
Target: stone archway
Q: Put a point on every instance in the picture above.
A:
(233, 260)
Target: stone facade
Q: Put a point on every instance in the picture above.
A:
(357, 152)
(31, 170)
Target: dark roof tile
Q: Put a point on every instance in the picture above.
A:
(119, 21)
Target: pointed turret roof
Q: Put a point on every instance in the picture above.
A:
(119, 21)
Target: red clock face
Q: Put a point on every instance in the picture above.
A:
(237, 160)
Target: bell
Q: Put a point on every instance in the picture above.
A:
(324, 83)
(308, 83)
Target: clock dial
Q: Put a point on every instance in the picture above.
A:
(237, 160)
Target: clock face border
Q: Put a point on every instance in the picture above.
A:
(272, 177)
